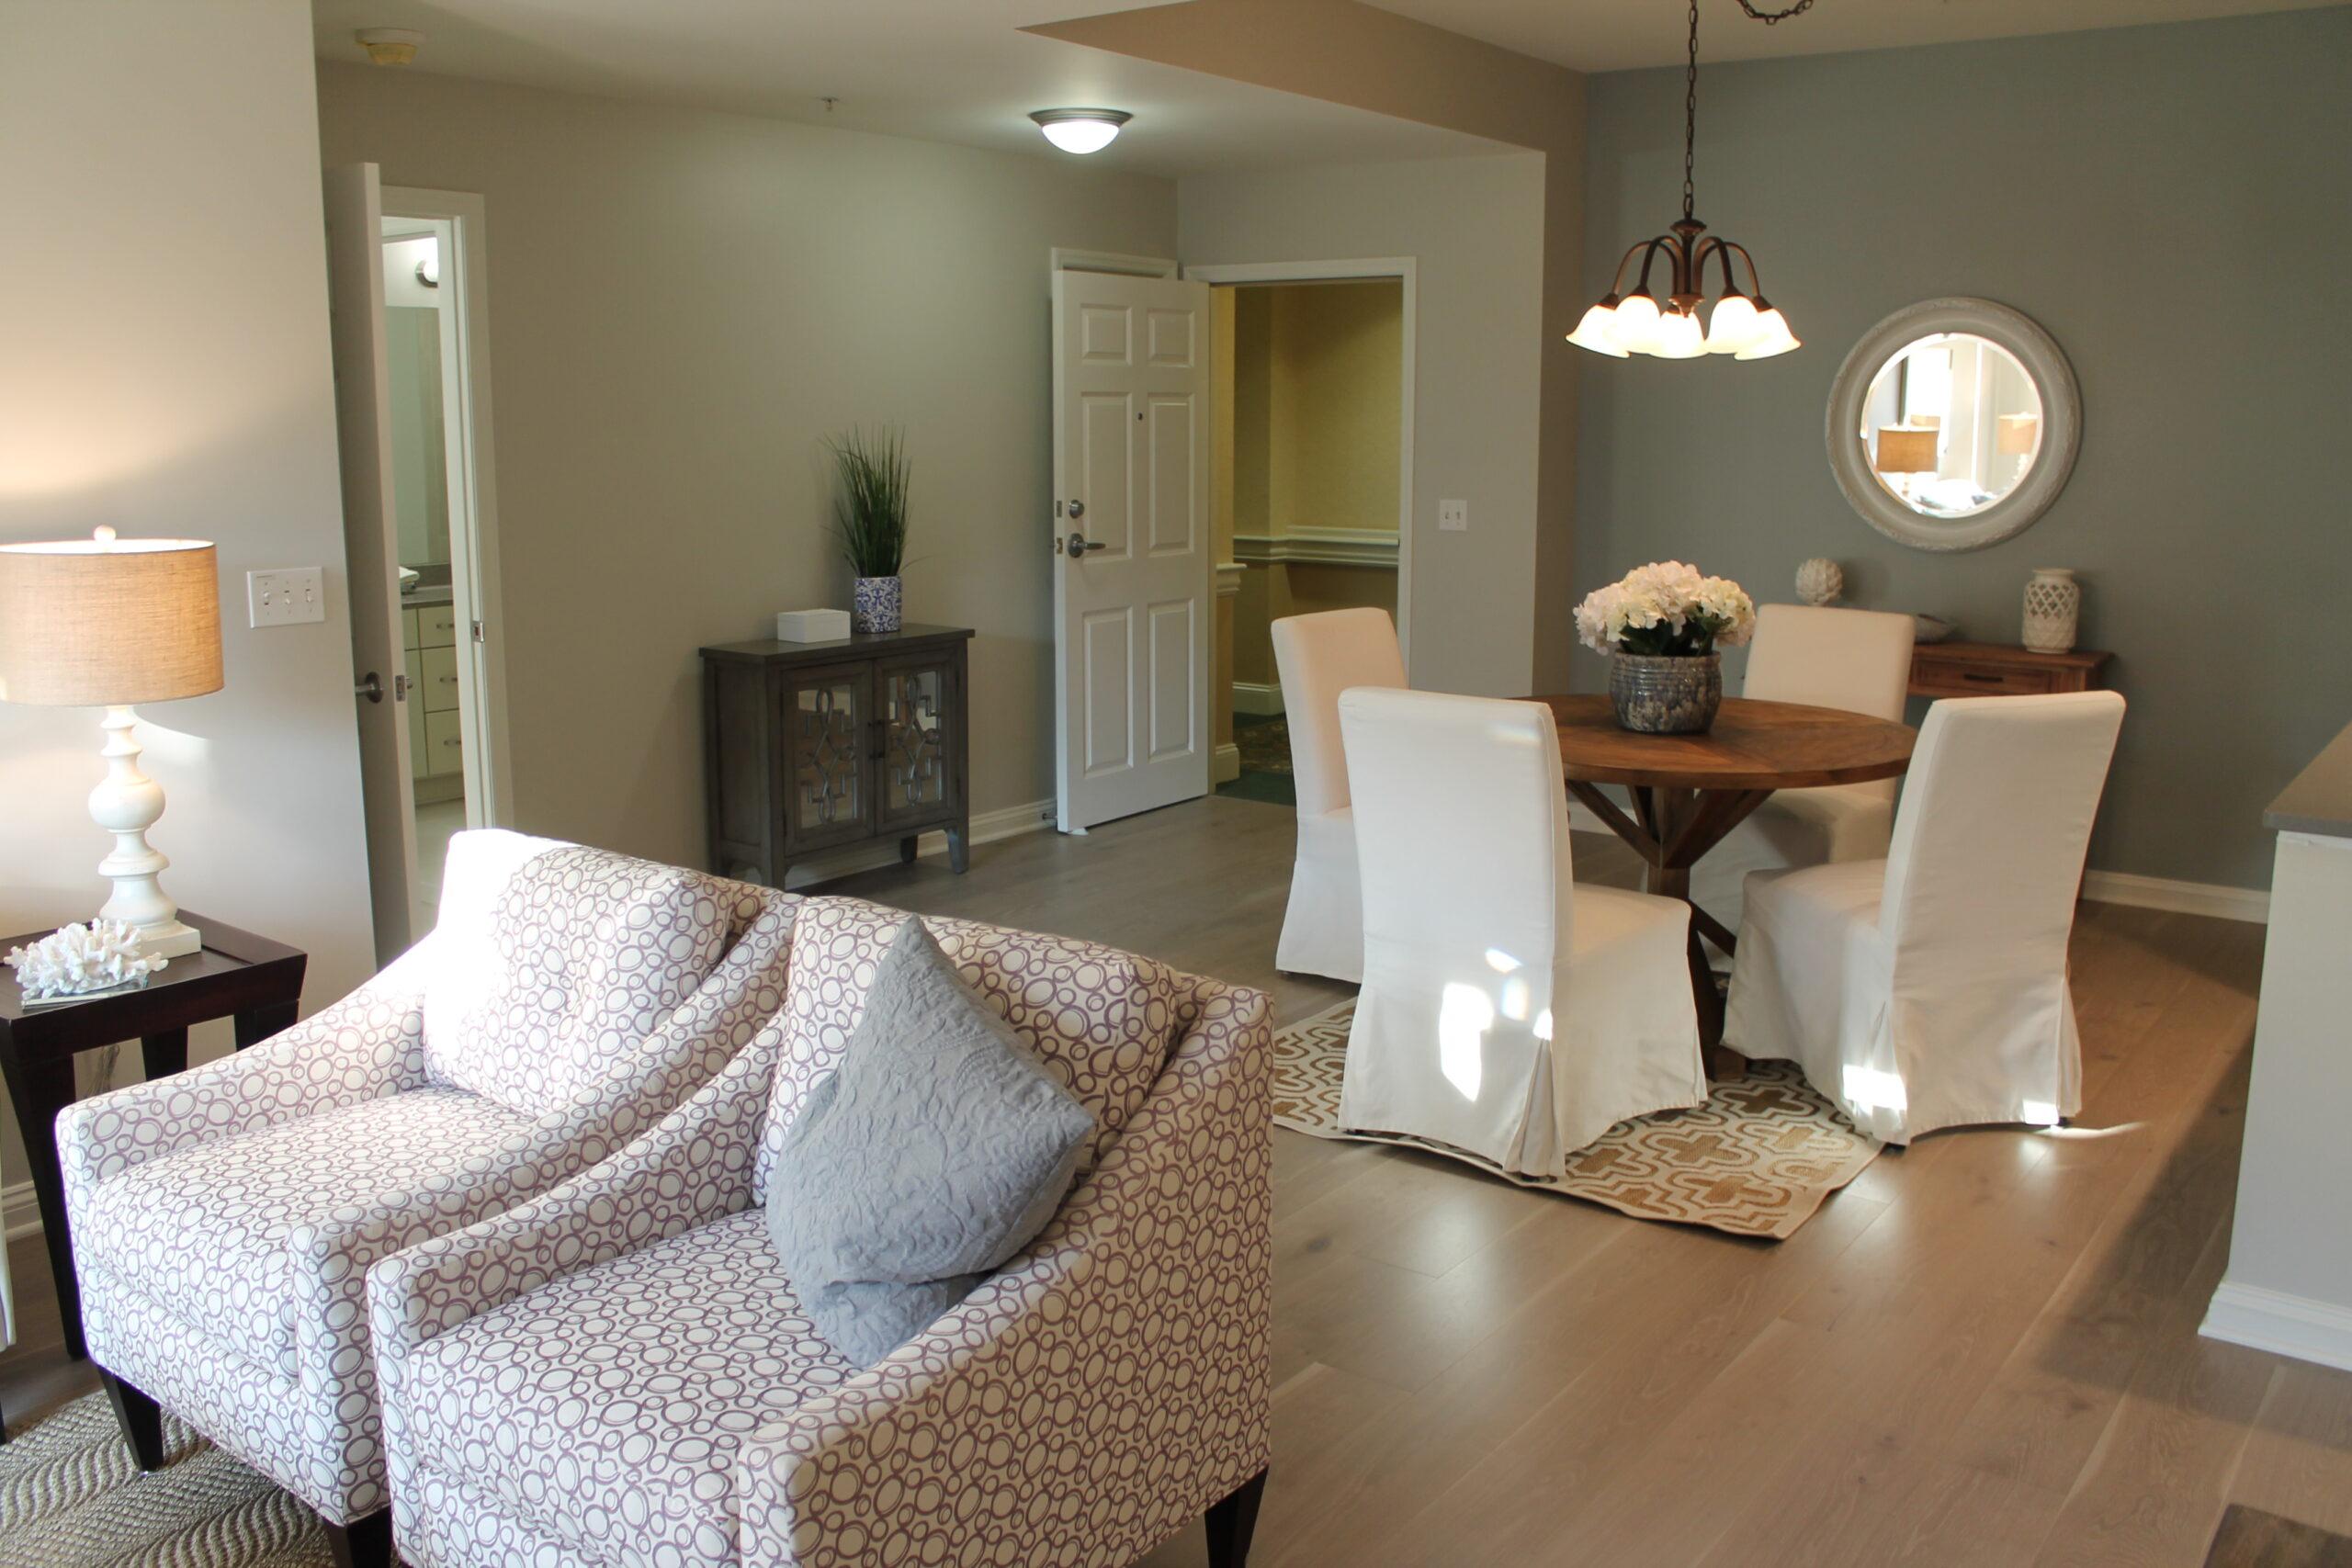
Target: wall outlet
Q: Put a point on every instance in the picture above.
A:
(289, 596)
(1453, 516)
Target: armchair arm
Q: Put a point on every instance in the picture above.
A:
(695, 1167)
(368, 1045)
(711, 1028)
(1120, 1367)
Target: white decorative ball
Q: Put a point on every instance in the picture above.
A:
(1819, 581)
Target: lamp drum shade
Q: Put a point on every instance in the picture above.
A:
(2017, 433)
(1903, 451)
(103, 623)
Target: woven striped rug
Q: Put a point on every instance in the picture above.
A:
(1756, 1160)
(70, 1497)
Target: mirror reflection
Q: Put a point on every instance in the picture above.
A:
(1952, 424)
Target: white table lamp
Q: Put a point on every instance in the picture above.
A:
(112, 622)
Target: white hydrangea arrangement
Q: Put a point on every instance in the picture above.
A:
(1666, 608)
(80, 961)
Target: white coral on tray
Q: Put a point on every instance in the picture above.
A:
(78, 961)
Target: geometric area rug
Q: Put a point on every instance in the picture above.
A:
(1756, 1160)
(70, 1497)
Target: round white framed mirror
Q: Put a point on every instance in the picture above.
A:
(1953, 423)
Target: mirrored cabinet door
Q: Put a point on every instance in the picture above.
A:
(826, 717)
(916, 760)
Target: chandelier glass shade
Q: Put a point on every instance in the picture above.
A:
(1743, 323)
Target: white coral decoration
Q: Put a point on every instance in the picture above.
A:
(1820, 581)
(1666, 602)
(75, 960)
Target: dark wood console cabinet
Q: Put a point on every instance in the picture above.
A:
(812, 747)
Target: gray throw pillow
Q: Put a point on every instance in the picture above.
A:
(935, 1151)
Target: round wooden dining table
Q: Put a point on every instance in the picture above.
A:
(1688, 791)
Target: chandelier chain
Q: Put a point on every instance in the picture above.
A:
(1690, 114)
(1769, 17)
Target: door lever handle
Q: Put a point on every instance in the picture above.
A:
(1079, 544)
(371, 687)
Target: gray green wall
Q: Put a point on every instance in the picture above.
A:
(2174, 203)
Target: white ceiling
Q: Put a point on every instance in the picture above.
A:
(956, 71)
(1620, 35)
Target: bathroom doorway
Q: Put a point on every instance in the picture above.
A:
(434, 359)
(1309, 455)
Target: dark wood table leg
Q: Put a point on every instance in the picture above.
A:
(165, 1052)
(37, 1091)
(256, 1024)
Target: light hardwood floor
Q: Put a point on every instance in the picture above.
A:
(1983, 1351)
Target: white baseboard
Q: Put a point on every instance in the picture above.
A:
(1255, 697)
(2283, 1325)
(2182, 897)
(18, 1215)
(1225, 765)
(987, 828)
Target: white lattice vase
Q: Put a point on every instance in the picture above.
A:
(2053, 610)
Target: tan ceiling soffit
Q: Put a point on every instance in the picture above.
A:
(1353, 54)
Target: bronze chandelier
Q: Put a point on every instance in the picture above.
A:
(1743, 324)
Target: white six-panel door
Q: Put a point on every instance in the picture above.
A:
(1131, 545)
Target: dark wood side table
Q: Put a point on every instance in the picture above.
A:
(1998, 670)
(817, 746)
(249, 980)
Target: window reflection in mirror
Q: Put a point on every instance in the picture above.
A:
(1952, 424)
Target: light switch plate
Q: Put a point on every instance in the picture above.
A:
(286, 596)
(1453, 516)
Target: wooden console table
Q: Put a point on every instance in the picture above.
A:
(238, 975)
(811, 747)
(1996, 669)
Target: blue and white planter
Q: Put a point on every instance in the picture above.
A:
(875, 607)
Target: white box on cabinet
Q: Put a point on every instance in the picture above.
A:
(811, 626)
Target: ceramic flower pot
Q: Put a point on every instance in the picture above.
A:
(875, 606)
(1665, 694)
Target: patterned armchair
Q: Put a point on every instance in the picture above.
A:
(617, 1372)
(224, 1219)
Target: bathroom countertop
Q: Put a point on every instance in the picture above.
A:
(425, 596)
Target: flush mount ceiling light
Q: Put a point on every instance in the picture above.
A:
(389, 46)
(1744, 325)
(1080, 130)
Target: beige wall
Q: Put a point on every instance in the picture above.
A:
(1475, 228)
(1321, 367)
(167, 399)
(683, 304)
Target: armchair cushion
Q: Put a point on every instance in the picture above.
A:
(208, 1231)
(934, 1152)
(606, 1408)
(587, 952)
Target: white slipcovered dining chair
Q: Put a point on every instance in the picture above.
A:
(1859, 660)
(1317, 658)
(1506, 1010)
(1929, 989)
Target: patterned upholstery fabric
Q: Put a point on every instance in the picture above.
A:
(205, 1231)
(589, 952)
(224, 1219)
(608, 1406)
(615, 1373)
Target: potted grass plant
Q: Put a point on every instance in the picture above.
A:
(873, 473)
(1663, 627)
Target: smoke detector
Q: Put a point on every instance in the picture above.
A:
(389, 46)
